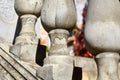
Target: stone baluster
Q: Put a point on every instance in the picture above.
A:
(26, 43)
(58, 17)
(102, 36)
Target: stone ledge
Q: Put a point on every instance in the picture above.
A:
(89, 68)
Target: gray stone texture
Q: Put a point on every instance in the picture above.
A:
(107, 64)
(58, 14)
(102, 26)
(28, 7)
(102, 36)
(9, 21)
(58, 38)
(13, 68)
(59, 67)
(105, 20)
(28, 11)
(89, 68)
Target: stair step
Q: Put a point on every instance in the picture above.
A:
(11, 70)
(5, 75)
(17, 66)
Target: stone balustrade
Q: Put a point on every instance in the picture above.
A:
(58, 17)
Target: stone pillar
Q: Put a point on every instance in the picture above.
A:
(102, 38)
(107, 64)
(58, 42)
(26, 43)
(57, 17)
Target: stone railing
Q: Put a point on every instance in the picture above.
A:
(58, 17)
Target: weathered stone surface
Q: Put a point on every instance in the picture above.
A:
(58, 14)
(25, 52)
(102, 38)
(58, 39)
(28, 53)
(8, 20)
(11, 70)
(17, 69)
(61, 59)
(46, 72)
(4, 75)
(32, 68)
(56, 72)
(89, 68)
(27, 41)
(86, 63)
(102, 27)
(107, 64)
(28, 7)
(5, 45)
(59, 67)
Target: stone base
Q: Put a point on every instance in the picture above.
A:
(26, 52)
(57, 68)
(25, 47)
(88, 65)
(89, 68)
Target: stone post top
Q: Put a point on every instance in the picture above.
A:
(108, 55)
(28, 7)
(103, 28)
(58, 14)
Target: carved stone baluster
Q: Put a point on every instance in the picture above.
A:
(26, 43)
(58, 42)
(57, 17)
(102, 36)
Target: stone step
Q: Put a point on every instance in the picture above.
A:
(9, 61)
(11, 69)
(4, 74)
